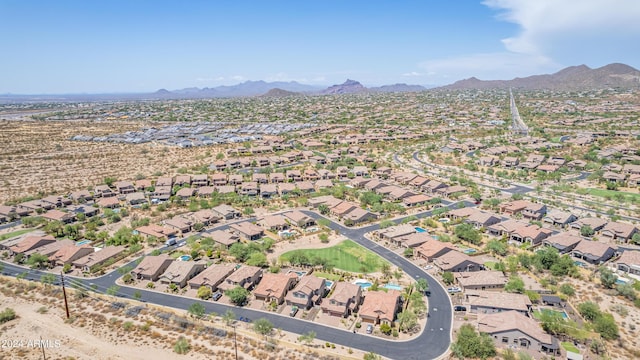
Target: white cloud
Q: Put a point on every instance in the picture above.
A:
(542, 21)
(413, 74)
(552, 34)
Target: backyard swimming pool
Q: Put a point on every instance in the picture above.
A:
(185, 258)
(363, 283)
(393, 287)
(420, 230)
(80, 243)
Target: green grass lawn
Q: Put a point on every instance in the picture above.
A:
(324, 275)
(347, 256)
(613, 194)
(15, 233)
(490, 265)
(570, 347)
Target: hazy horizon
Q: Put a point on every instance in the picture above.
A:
(120, 47)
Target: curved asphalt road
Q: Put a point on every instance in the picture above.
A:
(432, 342)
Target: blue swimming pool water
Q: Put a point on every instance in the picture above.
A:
(562, 313)
(80, 243)
(328, 283)
(185, 257)
(363, 283)
(393, 287)
(420, 230)
(469, 251)
(620, 282)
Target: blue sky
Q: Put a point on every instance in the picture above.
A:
(137, 46)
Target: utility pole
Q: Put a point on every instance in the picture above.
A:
(235, 340)
(64, 293)
(44, 356)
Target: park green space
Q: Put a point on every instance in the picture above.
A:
(613, 194)
(15, 233)
(347, 256)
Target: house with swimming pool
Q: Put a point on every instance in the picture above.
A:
(344, 300)
(380, 307)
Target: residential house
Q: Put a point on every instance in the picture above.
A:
(226, 212)
(157, 231)
(432, 250)
(182, 180)
(267, 191)
(461, 213)
(136, 198)
(342, 208)
(534, 211)
(69, 254)
(482, 219)
(299, 219)
(396, 231)
(513, 330)
(613, 177)
(212, 276)
(619, 231)
(249, 189)
(489, 302)
(380, 307)
(61, 216)
(307, 293)
(359, 215)
(559, 218)
(200, 180)
(260, 178)
(325, 174)
(359, 182)
(179, 272)
(86, 210)
(510, 161)
(564, 242)
(593, 252)
(344, 300)
(274, 287)
(179, 223)
(276, 178)
(245, 276)
(416, 200)
(532, 234)
(219, 179)
(514, 207)
(629, 263)
(225, 238)
(235, 180)
(286, 188)
(49, 249)
(595, 223)
(164, 182)
(449, 191)
(323, 184)
(108, 202)
(90, 262)
(432, 186)
(418, 181)
(151, 267)
(30, 242)
(505, 227)
(274, 222)
(455, 261)
(124, 187)
(412, 240)
(247, 230)
(81, 196)
(205, 217)
(103, 191)
(185, 193)
(481, 280)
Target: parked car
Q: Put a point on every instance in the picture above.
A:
(216, 296)
(242, 318)
(459, 308)
(427, 292)
(294, 311)
(428, 267)
(369, 329)
(454, 289)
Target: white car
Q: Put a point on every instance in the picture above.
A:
(454, 289)
(428, 267)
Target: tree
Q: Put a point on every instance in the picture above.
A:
(47, 279)
(323, 209)
(497, 247)
(589, 310)
(422, 285)
(196, 310)
(181, 346)
(229, 316)
(607, 277)
(371, 356)
(257, 259)
(514, 285)
(7, 314)
(385, 328)
(386, 223)
(606, 326)
(385, 267)
(407, 320)
(66, 268)
(468, 233)
(36, 261)
(470, 344)
(113, 290)
(204, 292)
(586, 231)
(307, 337)
(263, 326)
(567, 289)
(239, 251)
(237, 295)
(447, 277)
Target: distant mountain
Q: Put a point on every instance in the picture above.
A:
(247, 88)
(277, 92)
(348, 87)
(579, 77)
(398, 88)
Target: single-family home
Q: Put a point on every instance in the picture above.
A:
(481, 280)
(532, 234)
(61, 216)
(432, 249)
(69, 254)
(595, 223)
(212, 276)
(380, 307)
(628, 262)
(344, 300)
(559, 218)
(247, 230)
(90, 262)
(489, 302)
(226, 212)
(299, 219)
(222, 237)
(179, 272)
(246, 276)
(30, 242)
(619, 231)
(513, 330)
(455, 261)
(274, 287)
(179, 223)
(564, 241)
(593, 252)
(307, 293)
(274, 222)
(151, 267)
